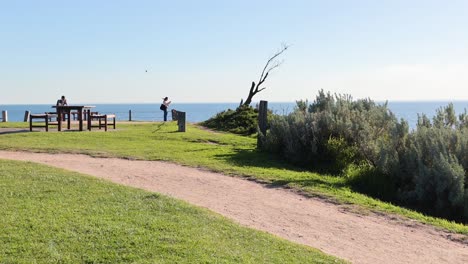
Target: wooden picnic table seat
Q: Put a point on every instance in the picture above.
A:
(76, 115)
(103, 120)
(51, 115)
(43, 121)
(65, 115)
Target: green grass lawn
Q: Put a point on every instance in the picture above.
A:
(50, 215)
(227, 153)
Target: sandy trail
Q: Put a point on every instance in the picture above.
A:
(313, 222)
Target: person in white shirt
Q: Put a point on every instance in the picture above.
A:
(164, 106)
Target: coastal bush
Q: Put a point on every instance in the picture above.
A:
(425, 168)
(334, 130)
(432, 169)
(243, 121)
(433, 177)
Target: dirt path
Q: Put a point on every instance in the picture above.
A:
(330, 228)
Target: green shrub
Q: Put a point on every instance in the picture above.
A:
(342, 154)
(365, 178)
(332, 132)
(425, 168)
(290, 136)
(243, 120)
(465, 211)
(431, 172)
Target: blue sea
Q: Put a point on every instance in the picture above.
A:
(197, 112)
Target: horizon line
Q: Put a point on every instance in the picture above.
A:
(255, 102)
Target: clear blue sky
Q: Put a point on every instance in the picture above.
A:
(210, 51)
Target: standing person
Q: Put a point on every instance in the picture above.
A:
(164, 106)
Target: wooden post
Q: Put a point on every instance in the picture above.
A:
(174, 114)
(129, 115)
(5, 116)
(262, 116)
(181, 121)
(262, 121)
(26, 116)
(30, 124)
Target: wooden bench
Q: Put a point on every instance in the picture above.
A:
(102, 121)
(41, 117)
(76, 115)
(52, 115)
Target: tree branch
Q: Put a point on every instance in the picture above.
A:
(283, 49)
(269, 66)
(264, 78)
(252, 88)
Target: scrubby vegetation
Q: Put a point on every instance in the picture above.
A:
(425, 168)
(243, 121)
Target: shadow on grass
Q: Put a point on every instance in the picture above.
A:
(13, 131)
(258, 159)
(307, 183)
(158, 127)
(255, 158)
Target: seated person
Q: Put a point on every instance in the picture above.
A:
(62, 101)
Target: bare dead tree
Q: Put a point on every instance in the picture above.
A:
(271, 64)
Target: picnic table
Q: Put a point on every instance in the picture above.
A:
(83, 111)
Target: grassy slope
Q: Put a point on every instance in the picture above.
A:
(55, 216)
(226, 153)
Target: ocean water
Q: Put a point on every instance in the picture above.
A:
(197, 112)
(410, 110)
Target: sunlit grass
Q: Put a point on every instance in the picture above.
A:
(50, 215)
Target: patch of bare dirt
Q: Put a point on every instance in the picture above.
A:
(334, 229)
